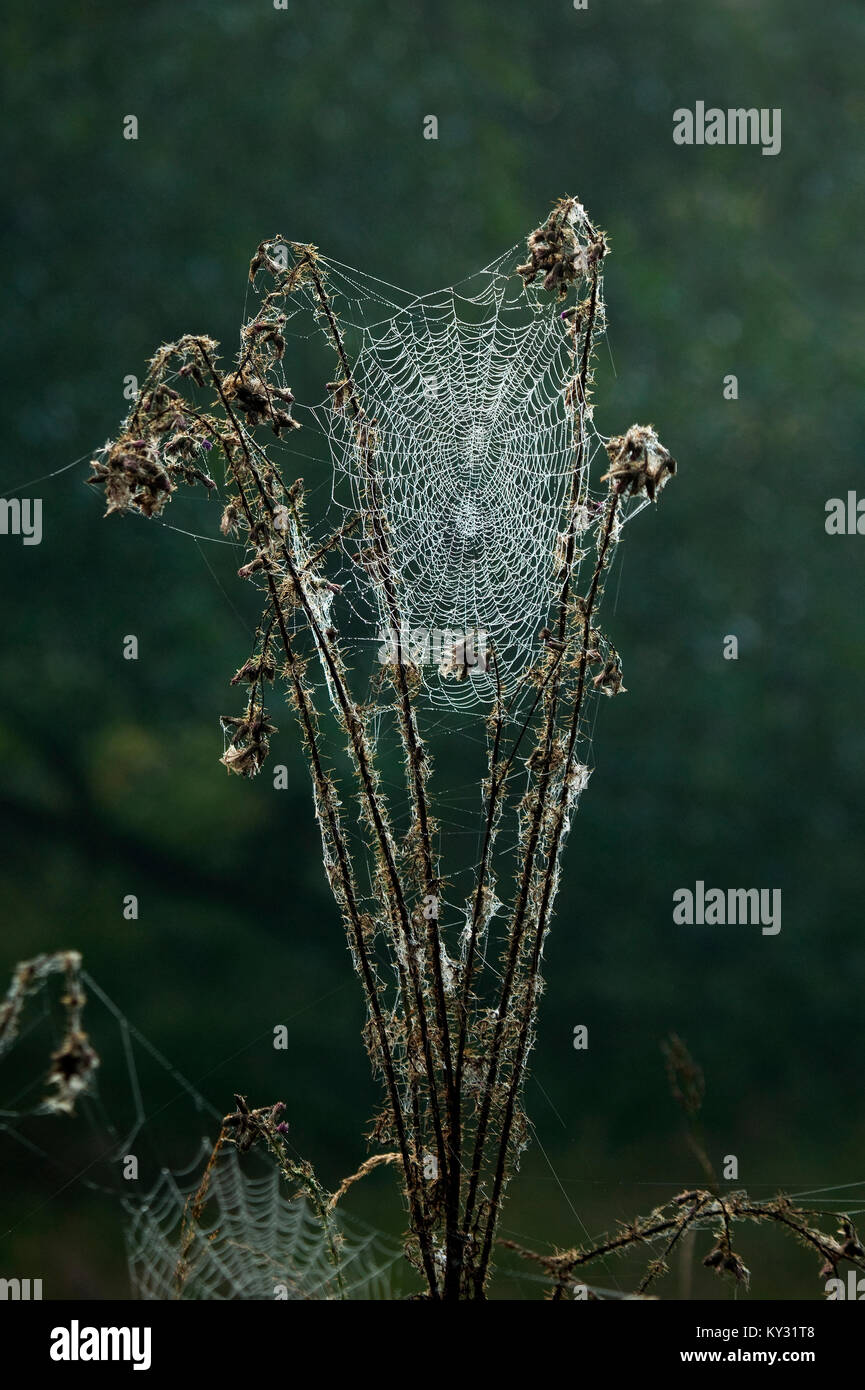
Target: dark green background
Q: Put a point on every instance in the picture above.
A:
(309, 122)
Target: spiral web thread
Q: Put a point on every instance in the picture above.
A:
(254, 1239)
(251, 1242)
(474, 450)
(251, 1236)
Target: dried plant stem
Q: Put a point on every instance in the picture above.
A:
(659, 1265)
(353, 724)
(377, 1161)
(692, 1211)
(416, 761)
(347, 892)
(192, 1215)
(546, 746)
(495, 783)
(547, 892)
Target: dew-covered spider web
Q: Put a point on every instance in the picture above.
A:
(64, 1046)
(253, 1239)
(253, 1242)
(475, 456)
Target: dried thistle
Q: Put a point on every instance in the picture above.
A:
(639, 463)
(449, 1030)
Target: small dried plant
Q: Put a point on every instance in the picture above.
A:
(450, 1025)
(673, 1226)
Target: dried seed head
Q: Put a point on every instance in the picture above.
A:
(609, 680)
(255, 669)
(72, 1068)
(249, 744)
(639, 463)
(260, 402)
(557, 251)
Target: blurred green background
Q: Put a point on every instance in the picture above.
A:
(308, 121)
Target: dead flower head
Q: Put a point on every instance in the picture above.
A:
(133, 476)
(260, 402)
(639, 463)
(609, 680)
(556, 251)
(72, 1068)
(250, 743)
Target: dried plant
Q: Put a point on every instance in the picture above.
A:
(697, 1209)
(74, 1062)
(669, 1230)
(450, 1028)
(450, 1023)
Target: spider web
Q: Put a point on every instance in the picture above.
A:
(475, 448)
(252, 1242)
(254, 1238)
(474, 455)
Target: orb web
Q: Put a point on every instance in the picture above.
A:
(254, 1237)
(252, 1241)
(475, 459)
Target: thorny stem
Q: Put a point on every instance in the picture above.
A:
(515, 933)
(580, 402)
(192, 1214)
(352, 722)
(303, 1174)
(335, 539)
(357, 935)
(479, 911)
(658, 1266)
(497, 779)
(495, 785)
(416, 757)
(549, 879)
(702, 1207)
